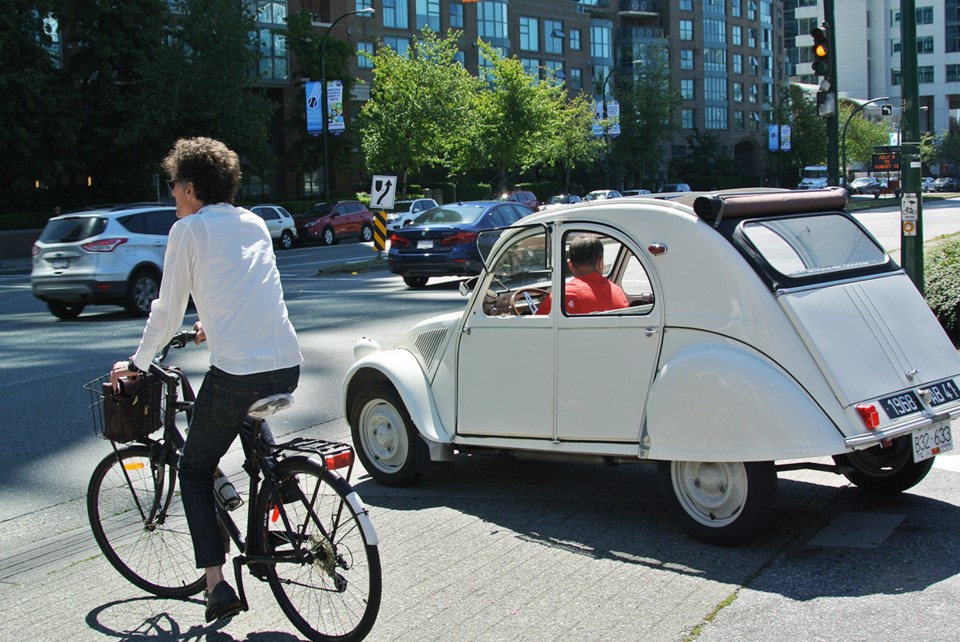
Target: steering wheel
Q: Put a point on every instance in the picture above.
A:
(517, 294)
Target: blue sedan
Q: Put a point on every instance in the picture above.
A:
(443, 241)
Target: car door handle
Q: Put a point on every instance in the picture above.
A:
(651, 331)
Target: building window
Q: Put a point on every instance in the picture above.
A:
(754, 94)
(686, 30)
(273, 56)
(456, 15)
(952, 39)
(895, 45)
(396, 14)
(601, 35)
(925, 74)
(267, 12)
(555, 73)
(575, 40)
(736, 33)
(363, 4)
(400, 45)
(365, 55)
(688, 118)
(751, 10)
(738, 92)
(492, 19)
(686, 59)
(686, 89)
(715, 117)
(553, 36)
(428, 14)
(925, 15)
(576, 79)
(715, 88)
(531, 66)
(461, 57)
(738, 63)
(686, 5)
(752, 38)
(738, 121)
(529, 34)
(312, 183)
(735, 9)
(924, 44)
(714, 31)
(715, 60)
(953, 73)
(51, 27)
(895, 76)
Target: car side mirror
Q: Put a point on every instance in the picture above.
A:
(466, 286)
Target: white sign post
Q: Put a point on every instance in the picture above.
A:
(382, 192)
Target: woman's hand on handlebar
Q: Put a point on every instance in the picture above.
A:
(201, 335)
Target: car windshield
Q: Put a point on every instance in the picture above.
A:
(813, 245)
(321, 209)
(454, 214)
(68, 230)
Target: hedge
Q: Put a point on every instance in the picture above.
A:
(941, 268)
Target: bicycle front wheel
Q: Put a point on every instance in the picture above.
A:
(327, 575)
(138, 521)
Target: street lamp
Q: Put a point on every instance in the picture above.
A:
(603, 94)
(843, 134)
(323, 96)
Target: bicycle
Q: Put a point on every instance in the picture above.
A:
(308, 533)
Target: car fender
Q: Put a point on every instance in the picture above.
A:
(713, 402)
(401, 369)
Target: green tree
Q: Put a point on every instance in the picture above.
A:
(939, 149)
(808, 134)
(862, 135)
(705, 158)
(571, 141)
(418, 107)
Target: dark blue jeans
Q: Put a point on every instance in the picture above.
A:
(218, 414)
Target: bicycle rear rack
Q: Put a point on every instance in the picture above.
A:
(333, 454)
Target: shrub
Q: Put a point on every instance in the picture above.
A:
(941, 267)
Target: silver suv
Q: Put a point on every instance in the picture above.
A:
(283, 229)
(105, 255)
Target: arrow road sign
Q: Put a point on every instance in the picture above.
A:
(383, 191)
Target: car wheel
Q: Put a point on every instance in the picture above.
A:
(720, 502)
(327, 237)
(384, 436)
(144, 288)
(63, 310)
(884, 470)
(415, 281)
(366, 233)
(286, 240)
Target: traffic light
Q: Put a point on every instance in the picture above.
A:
(822, 53)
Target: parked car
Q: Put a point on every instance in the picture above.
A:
(404, 212)
(283, 229)
(945, 184)
(443, 241)
(888, 187)
(801, 340)
(928, 183)
(561, 199)
(602, 195)
(865, 185)
(109, 255)
(636, 192)
(673, 187)
(521, 196)
(329, 223)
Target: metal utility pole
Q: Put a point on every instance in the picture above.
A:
(911, 203)
(833, 121)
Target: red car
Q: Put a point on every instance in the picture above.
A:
(329, 223)
(523, 197)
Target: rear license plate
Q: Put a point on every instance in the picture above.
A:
(60, 264)
(931, 441)
(900, 405)
(424, 245)
(943, 392)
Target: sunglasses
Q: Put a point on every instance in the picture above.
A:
(170, 185)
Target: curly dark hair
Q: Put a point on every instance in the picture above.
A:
(212, 167)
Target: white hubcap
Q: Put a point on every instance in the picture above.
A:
(384, 435)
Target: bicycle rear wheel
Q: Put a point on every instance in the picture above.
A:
(330, 586)
(138, 521)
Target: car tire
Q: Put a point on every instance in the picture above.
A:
(286, 240)
(722, 503)
(416, 281)
(64, 310)
(143, 288)
(366, 233)
(384, 436)
(884, 470)
(328, 237)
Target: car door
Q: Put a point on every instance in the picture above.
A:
(272, 218)
(605, 361)
(148, 235)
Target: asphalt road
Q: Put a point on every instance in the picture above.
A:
(499, 549)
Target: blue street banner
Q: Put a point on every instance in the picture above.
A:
(314, 108)
(613, 118)
(598, 118)
(335, 123)
(779, 138)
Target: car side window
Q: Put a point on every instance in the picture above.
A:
(266, 213)
(521, 275)
(499, 217)
(134, 223)
(159, 222)
(602, 275)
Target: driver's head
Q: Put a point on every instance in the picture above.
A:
(585, 254)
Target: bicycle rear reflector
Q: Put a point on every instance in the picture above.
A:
(339, 460)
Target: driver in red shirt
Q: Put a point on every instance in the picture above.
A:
(588, 291)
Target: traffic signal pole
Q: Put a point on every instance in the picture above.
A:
(833, 121)
(911, 204)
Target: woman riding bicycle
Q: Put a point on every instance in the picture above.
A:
(223, 257)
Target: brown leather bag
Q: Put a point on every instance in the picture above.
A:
(135, 411)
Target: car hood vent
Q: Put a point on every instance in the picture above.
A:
(428, 343)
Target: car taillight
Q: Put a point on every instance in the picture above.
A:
(397, 241)
(868, 412)
(103, 245)
(459, 237)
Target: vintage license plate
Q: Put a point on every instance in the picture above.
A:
(900, 405)
(943, 392)
(424, 245)
(933, 440)
(60, 264)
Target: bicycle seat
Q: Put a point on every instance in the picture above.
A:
(263, 408)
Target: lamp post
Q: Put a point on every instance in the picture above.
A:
(603, 94)
(323, 96)
(843, 134)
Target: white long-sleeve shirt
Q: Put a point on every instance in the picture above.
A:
(223, 256)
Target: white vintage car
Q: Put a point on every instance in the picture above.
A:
(760, 328)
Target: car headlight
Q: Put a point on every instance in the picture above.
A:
(311, 224)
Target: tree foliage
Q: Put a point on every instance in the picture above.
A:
(862, 135)
(706, 158)
(572, 142)
(940, 149)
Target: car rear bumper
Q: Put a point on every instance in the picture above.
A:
(433, 266)
(78, 290)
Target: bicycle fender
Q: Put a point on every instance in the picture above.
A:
(359, 508)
